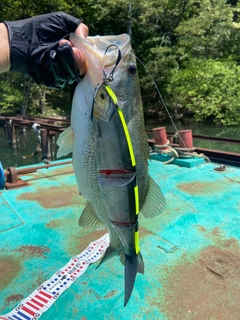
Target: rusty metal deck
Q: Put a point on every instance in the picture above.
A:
(191, 252)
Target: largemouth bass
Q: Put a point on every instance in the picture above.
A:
(104, 144)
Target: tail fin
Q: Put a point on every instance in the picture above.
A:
(133, 264)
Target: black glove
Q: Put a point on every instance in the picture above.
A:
(34, 48)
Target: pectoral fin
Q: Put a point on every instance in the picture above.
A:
(155, 202)
(65, 142)
(88, 219)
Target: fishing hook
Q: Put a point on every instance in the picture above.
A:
(109, 77)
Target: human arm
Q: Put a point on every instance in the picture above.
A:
(4, 49)
(35, 49)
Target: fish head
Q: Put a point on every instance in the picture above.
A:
(125, 85)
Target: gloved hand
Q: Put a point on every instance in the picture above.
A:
(35, 50)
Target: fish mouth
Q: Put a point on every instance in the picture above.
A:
(98, 44)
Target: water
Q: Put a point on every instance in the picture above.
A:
(22, 153)
(26, 144)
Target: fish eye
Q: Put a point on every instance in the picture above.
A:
(132, 69)
(102, 95)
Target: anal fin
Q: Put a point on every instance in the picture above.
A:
(109, 253)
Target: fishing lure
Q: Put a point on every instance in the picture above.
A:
(116, 166)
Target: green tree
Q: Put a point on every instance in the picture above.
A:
(11, 93)
(171, 37)
(208, 88)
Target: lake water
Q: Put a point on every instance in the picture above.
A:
(21, 153)
(26, 143)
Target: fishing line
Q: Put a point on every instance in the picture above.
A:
(174, 125)
(163, 102)
(160, 96)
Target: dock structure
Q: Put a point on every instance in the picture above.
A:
(191, 251)
(225, 157)
(49, 127)
(52, 126)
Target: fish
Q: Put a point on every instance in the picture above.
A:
(110, 150)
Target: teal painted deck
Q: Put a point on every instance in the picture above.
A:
(191, 252)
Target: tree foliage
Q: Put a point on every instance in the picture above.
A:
(190, 47)
(209, 88)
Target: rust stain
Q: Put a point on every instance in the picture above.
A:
(10, 267)
(54, 197)
(64, 222)
(200, 187)
(78, 239)
(218, 237)
(233, 180)
(38, 279)
(216, 232)
(14, 298)
(205, 288)
(78, 242)
(201, 229)
(51, 172)
(99, 297)
(54, 224)
(33, 251)
(144, 232)
(110, 294)
(61, 170)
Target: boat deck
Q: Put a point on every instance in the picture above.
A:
(191, 252)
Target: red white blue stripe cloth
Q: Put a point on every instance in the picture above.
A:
(46, 294)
